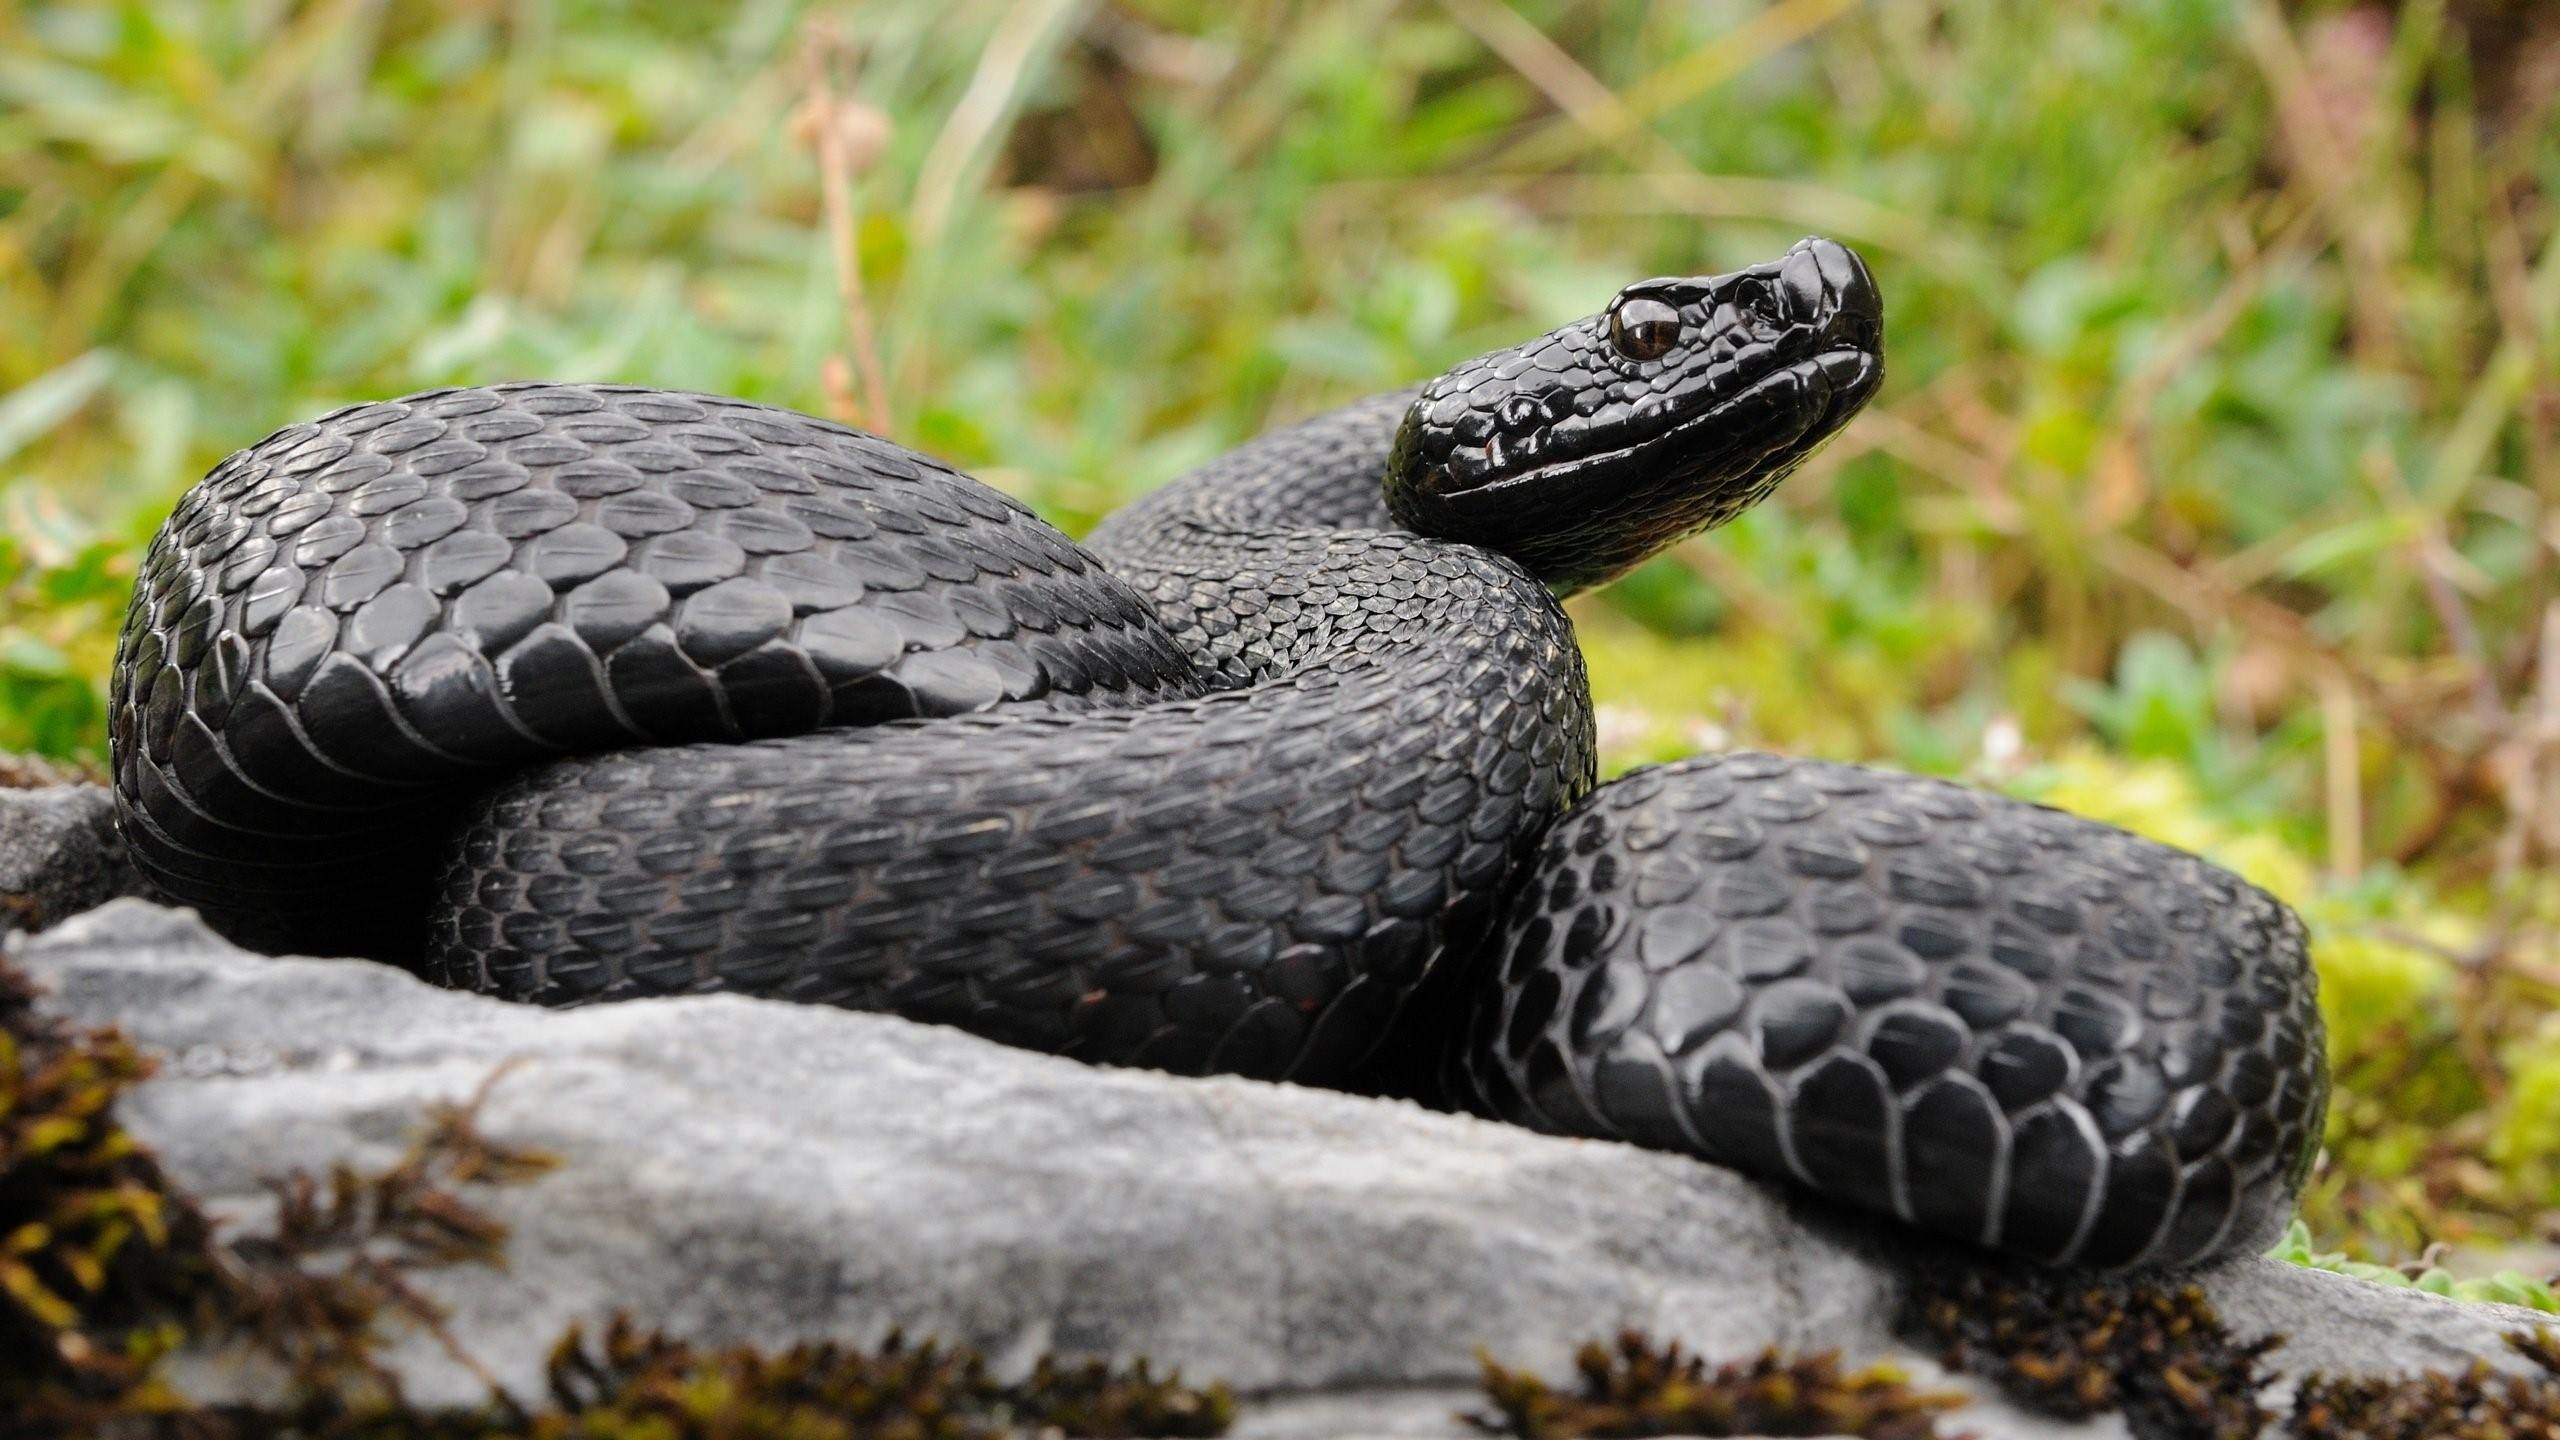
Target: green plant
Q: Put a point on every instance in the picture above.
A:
(2506, 1287)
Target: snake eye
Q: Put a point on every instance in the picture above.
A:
(1643, 328)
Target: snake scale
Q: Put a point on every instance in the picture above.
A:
(575, 692)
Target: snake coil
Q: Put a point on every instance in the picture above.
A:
(572, 692)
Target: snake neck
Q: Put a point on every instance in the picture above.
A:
(1322, 473)
(1255, 561)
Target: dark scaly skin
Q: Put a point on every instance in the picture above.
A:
(1993, 1019)
(343, 621)
(1254, 800)
(1249, 881)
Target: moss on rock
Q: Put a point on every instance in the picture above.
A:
(103, 1263)
(2076, 1348)
(2474, 1404)
(1637, 1388)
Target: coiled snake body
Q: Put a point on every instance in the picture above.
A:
(610, 692)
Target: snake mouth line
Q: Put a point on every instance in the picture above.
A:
(1845, 375)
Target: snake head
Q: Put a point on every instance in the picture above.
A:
(1586, 450)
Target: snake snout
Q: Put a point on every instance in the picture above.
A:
(1858, 303)
(1822, 286)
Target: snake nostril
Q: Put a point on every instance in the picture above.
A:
(1758, 301)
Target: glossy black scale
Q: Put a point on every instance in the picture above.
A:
(345, 628)
(2005, 1037)
(608, 692)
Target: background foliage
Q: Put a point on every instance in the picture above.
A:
(2212, 492)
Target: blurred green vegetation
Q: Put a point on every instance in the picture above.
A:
(2212, 491)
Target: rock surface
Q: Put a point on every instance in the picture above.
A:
(751, 1170)
(59, 854)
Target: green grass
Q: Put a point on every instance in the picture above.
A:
(2212, 491)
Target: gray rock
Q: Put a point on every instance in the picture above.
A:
(750, 1170)
(59, 854)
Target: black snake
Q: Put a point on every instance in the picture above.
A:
(608, 691)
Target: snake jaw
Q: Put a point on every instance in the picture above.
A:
(1579, 459)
